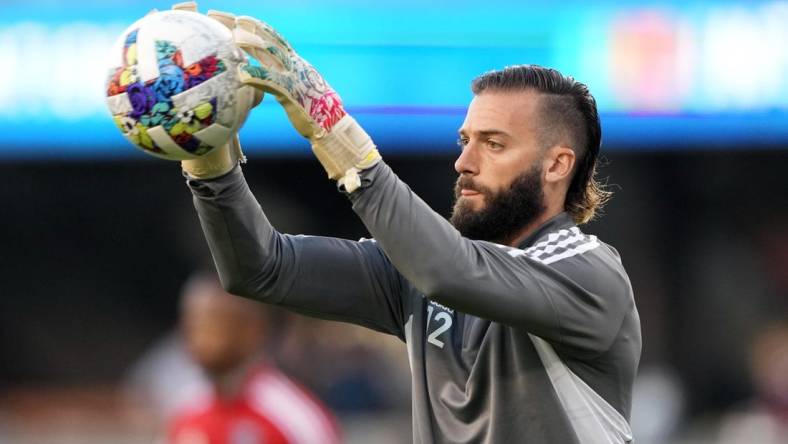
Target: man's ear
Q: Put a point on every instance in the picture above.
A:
(559, 161)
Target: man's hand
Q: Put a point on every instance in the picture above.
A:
(313, 107)
(221, 160)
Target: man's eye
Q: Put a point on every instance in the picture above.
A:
(494, 145)
(461, 142)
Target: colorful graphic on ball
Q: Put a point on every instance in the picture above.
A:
(173, 94)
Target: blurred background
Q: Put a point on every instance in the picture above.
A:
(97, 239)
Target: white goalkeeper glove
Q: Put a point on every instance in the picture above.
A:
(313, 107)
(220, 160)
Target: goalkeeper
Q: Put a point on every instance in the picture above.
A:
(519, 327)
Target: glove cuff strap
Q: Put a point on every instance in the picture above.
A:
(216, 163)
(345, 151)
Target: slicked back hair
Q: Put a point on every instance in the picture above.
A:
(567, 111)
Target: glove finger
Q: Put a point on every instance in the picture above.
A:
(185, 6)
(263, 51)
(225, 18)
(258, 97)
(264, 31)
(278, 54)
(281, 88)
(269, 81)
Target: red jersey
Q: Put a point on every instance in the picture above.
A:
(269, 409)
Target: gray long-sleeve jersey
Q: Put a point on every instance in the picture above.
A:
(466, 309)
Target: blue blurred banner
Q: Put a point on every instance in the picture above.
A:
(665, 74)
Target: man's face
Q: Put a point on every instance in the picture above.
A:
(220, 330)
(499, 190)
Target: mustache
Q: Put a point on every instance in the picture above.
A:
(464, 182)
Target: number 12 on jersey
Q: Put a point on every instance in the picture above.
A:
(443, 321)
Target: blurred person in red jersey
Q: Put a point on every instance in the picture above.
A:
(251, 402)
(764, 420)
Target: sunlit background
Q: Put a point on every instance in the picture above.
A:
(97, 238)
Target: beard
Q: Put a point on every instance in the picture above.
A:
(504, 213)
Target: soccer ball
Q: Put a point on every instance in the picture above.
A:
(173, 87)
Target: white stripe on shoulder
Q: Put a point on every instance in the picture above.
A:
(559, 245)
(552, 247)
(555, 237)
(578, 249)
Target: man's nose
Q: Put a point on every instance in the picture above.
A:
(467, 163)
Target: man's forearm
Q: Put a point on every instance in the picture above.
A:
(417, 240)
(240, 237)
(324, 277)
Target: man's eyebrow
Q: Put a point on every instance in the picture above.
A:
(486, 132)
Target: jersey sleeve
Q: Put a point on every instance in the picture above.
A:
(576, 301)
(323, 277)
